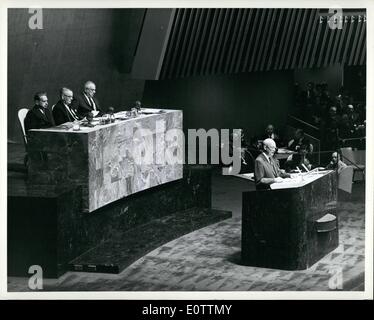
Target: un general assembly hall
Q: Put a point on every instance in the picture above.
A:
(186, 149)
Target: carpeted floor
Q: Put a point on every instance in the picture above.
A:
(209, 259)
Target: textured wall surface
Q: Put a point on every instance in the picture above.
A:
(74, 45)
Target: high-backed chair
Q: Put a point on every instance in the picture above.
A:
(349, 158)
(21, 117)
(345, 179)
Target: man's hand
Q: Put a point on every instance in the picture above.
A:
(278, 179)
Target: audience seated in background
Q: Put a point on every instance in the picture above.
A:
(334, 115)
(336, 163)
(63, 111)
(329, 130)
(346, 128)
(39, 116)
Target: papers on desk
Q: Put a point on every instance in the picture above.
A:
(122, 115)
(249, 176)
(151, 111)
(298, 180)
(285, 151)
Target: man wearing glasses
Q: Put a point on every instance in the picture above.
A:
(63, 111)
(87, 102)
(267, 170)
(39, 116)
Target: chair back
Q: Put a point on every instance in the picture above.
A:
(345, 179)
(348, 156)
(21, 117)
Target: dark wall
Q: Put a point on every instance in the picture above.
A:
(332, 75)
(250, 101)
(74, 45)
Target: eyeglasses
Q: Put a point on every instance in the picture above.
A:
(271, 148)
(91, 89)
(68, 96)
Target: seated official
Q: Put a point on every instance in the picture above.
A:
(267, 170)
(63, 111)
(299, 142)
(299, 161)
(86, 101)
(39, 117)
(270, 134)
(336, 163)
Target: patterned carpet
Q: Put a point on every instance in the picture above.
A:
(209, 260)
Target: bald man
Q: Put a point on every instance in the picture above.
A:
(267, 170)
(63, 111)
(86, 101)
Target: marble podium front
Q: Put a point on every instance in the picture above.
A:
(104, 160)
(291, 226)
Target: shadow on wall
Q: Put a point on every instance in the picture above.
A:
(249, 100)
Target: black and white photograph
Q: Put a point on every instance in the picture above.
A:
(213, 148)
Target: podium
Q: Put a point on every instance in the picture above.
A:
(292, 225)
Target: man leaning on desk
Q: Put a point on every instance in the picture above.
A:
(267, 170)
(86, 101)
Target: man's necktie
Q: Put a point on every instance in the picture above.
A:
(72, 113)
(92, 103)
(272, 162)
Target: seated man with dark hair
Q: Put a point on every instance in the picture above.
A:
(39, 116)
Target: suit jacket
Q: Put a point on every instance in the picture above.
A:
(61, 115)
(35, 119)
(266, 169)
(83, 105)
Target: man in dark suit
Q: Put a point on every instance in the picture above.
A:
(300, 141)
(86, 101)
(270, 133)
(63, 110)
(39, 117)
(267, 170)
